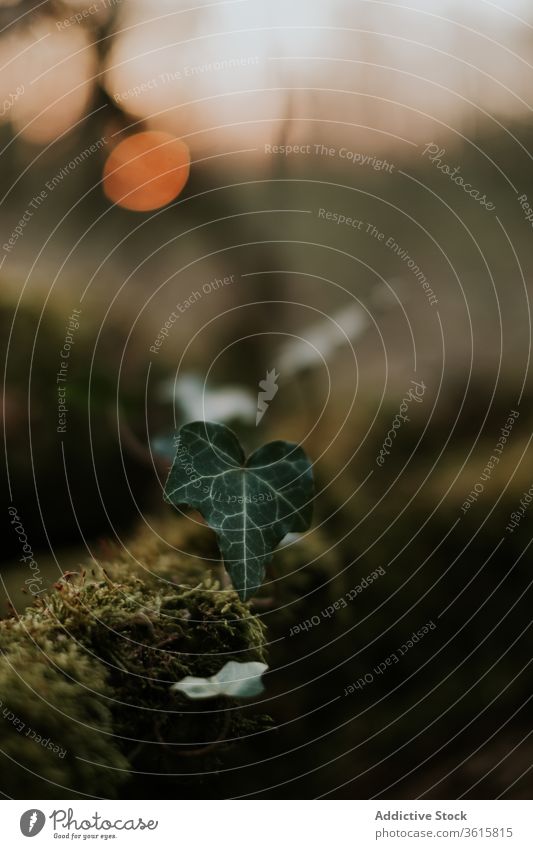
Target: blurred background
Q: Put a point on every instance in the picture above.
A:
(194, 194)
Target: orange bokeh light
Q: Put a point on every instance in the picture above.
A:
(146, 171)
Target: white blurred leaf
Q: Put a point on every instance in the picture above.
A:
(318, 342)
(199, 403)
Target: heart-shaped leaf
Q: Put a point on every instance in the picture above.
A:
(251, 504)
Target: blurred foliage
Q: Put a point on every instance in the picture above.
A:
(94, 477)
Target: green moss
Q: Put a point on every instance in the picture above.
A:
(56, 725)
(90, 667)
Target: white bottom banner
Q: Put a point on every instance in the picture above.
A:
(235, 824)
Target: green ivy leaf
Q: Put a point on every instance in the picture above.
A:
(236, 680)
(251, 504)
